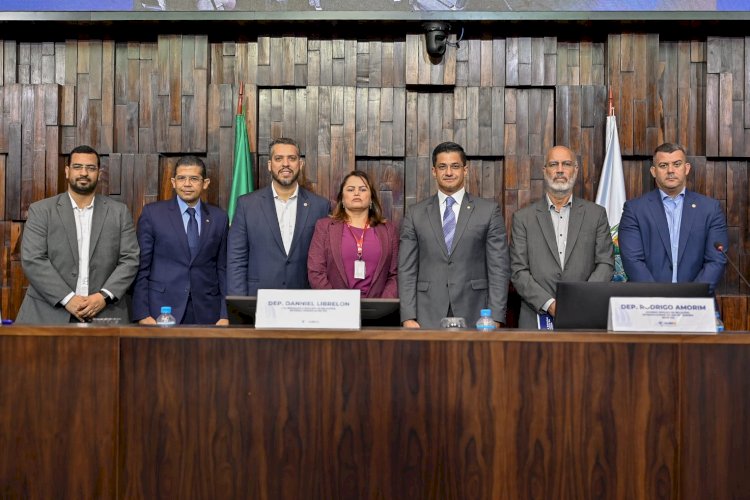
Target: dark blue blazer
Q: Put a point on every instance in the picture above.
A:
(644, 240)
(167, 274)
(256, 257)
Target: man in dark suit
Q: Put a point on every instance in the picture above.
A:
(668, 234)
(79, 251)
(558, 238)
(271, 231)
(183, 253)
(453, 255)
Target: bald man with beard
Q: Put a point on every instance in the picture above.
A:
(558, 238)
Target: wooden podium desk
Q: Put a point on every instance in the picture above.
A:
(221, 413)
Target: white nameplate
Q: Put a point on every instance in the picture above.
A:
(330, 309)
(661, 315)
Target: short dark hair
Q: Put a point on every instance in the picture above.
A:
(282, 140)
(668, 147)
(375, 212)
(191, 161)
(448, 147)
(83, 149)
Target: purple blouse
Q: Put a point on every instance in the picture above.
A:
(371, 252)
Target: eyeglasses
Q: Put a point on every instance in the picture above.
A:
(183, 179)
(554, 165)
(77, 167)
(455, 167)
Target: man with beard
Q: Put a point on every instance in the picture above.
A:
(453, 253)
(558, 238)
(271, 231)
(79, 251)
(669, 234)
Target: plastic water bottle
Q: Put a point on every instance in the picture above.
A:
(166, 318)
(485, 323)
(719, 322)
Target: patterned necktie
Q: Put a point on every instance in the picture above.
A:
(192, 232)
(449, 223)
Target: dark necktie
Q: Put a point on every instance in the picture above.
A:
(449, 223)
(192, 232)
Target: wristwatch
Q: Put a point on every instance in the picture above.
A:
(106, 296)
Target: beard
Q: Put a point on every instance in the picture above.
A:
(285, 182)
(82, 189)
(561, 188)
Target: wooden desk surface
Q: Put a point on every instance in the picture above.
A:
(133, 412)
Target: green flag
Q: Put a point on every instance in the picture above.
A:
(242, 173)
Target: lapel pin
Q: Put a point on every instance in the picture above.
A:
(305, 203)
(693, 205)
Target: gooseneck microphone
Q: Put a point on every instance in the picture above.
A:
(720, 247)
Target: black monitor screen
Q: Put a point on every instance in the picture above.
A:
(583, 305)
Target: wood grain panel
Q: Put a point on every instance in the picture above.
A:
(60, 437)
(714, 385)
(330, 441)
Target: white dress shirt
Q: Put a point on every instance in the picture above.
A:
(286, 213)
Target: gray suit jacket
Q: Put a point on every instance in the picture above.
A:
(49, 255)
(473, 277)
(535, 266)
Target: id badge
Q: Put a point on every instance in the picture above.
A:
(359, 269)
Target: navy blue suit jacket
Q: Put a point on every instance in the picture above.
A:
(256, 257)
(167, 274)
(646, 250)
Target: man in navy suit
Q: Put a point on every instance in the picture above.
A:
(272, 228)
(183, 253)
(668, 235)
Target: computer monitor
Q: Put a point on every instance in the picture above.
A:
(583, 305)
(374, 312)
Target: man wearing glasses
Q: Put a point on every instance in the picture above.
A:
(79, 251)
(670, 234)
(453, 254)
(183, 253)
(558, 238)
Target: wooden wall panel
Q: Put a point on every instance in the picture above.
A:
(376, 103)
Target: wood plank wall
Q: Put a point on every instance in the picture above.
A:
(378, 105)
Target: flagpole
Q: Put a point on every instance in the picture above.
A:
(611, 105)
(242, 90)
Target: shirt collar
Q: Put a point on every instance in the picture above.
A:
(664, 195)
(184, 206)
(458, 196)
(276, 195)
(75, 205)
(569, 203)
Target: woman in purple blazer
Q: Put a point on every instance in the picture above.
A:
(355, 247)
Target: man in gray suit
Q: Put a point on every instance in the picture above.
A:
(558, 238)
(272, 228)
(453, 256)
(79, 251)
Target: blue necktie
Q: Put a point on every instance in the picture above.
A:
(449, 223)
(192, 232)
